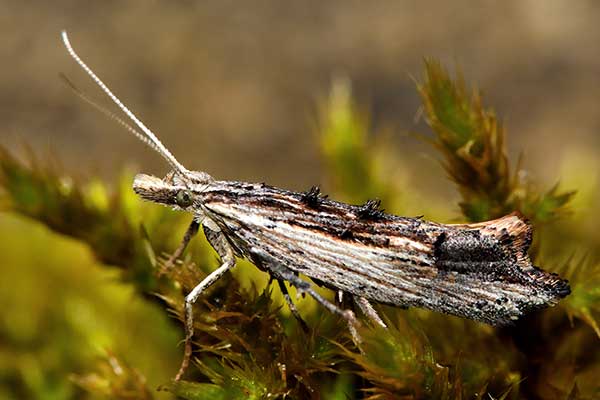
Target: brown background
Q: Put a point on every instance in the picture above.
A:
(232, 87)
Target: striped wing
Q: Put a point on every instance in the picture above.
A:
(478, 271)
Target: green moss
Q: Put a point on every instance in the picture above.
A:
(471, 140)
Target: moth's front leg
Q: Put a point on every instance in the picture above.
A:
(226, 253)
(189, 234)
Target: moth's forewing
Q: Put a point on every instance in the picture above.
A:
(479, 271)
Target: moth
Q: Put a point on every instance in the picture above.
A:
(479, 271)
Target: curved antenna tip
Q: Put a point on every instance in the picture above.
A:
(149, 137)
(65, 39)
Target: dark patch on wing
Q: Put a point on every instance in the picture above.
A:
(468, 251)
(468, 245)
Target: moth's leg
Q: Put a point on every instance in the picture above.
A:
(286, 274)
(282, 272)
(367, 308)
(226, 253)
(291, 305)
(189, 234)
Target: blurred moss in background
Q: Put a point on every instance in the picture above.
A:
(293, 95)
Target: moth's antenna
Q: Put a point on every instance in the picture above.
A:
(148, 137)
(108, 113)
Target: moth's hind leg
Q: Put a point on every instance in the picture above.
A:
(291, 305)
(223, 248)
(364, 305)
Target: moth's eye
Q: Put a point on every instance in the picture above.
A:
(184, 199)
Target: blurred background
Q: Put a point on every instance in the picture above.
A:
(232, 88)
(236, 89)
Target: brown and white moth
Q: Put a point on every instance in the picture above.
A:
(477, 271)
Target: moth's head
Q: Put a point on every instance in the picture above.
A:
(175, 190)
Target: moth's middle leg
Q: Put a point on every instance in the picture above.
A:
(288, 275)
(348, 315)
(281, 272)
(291, 305)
